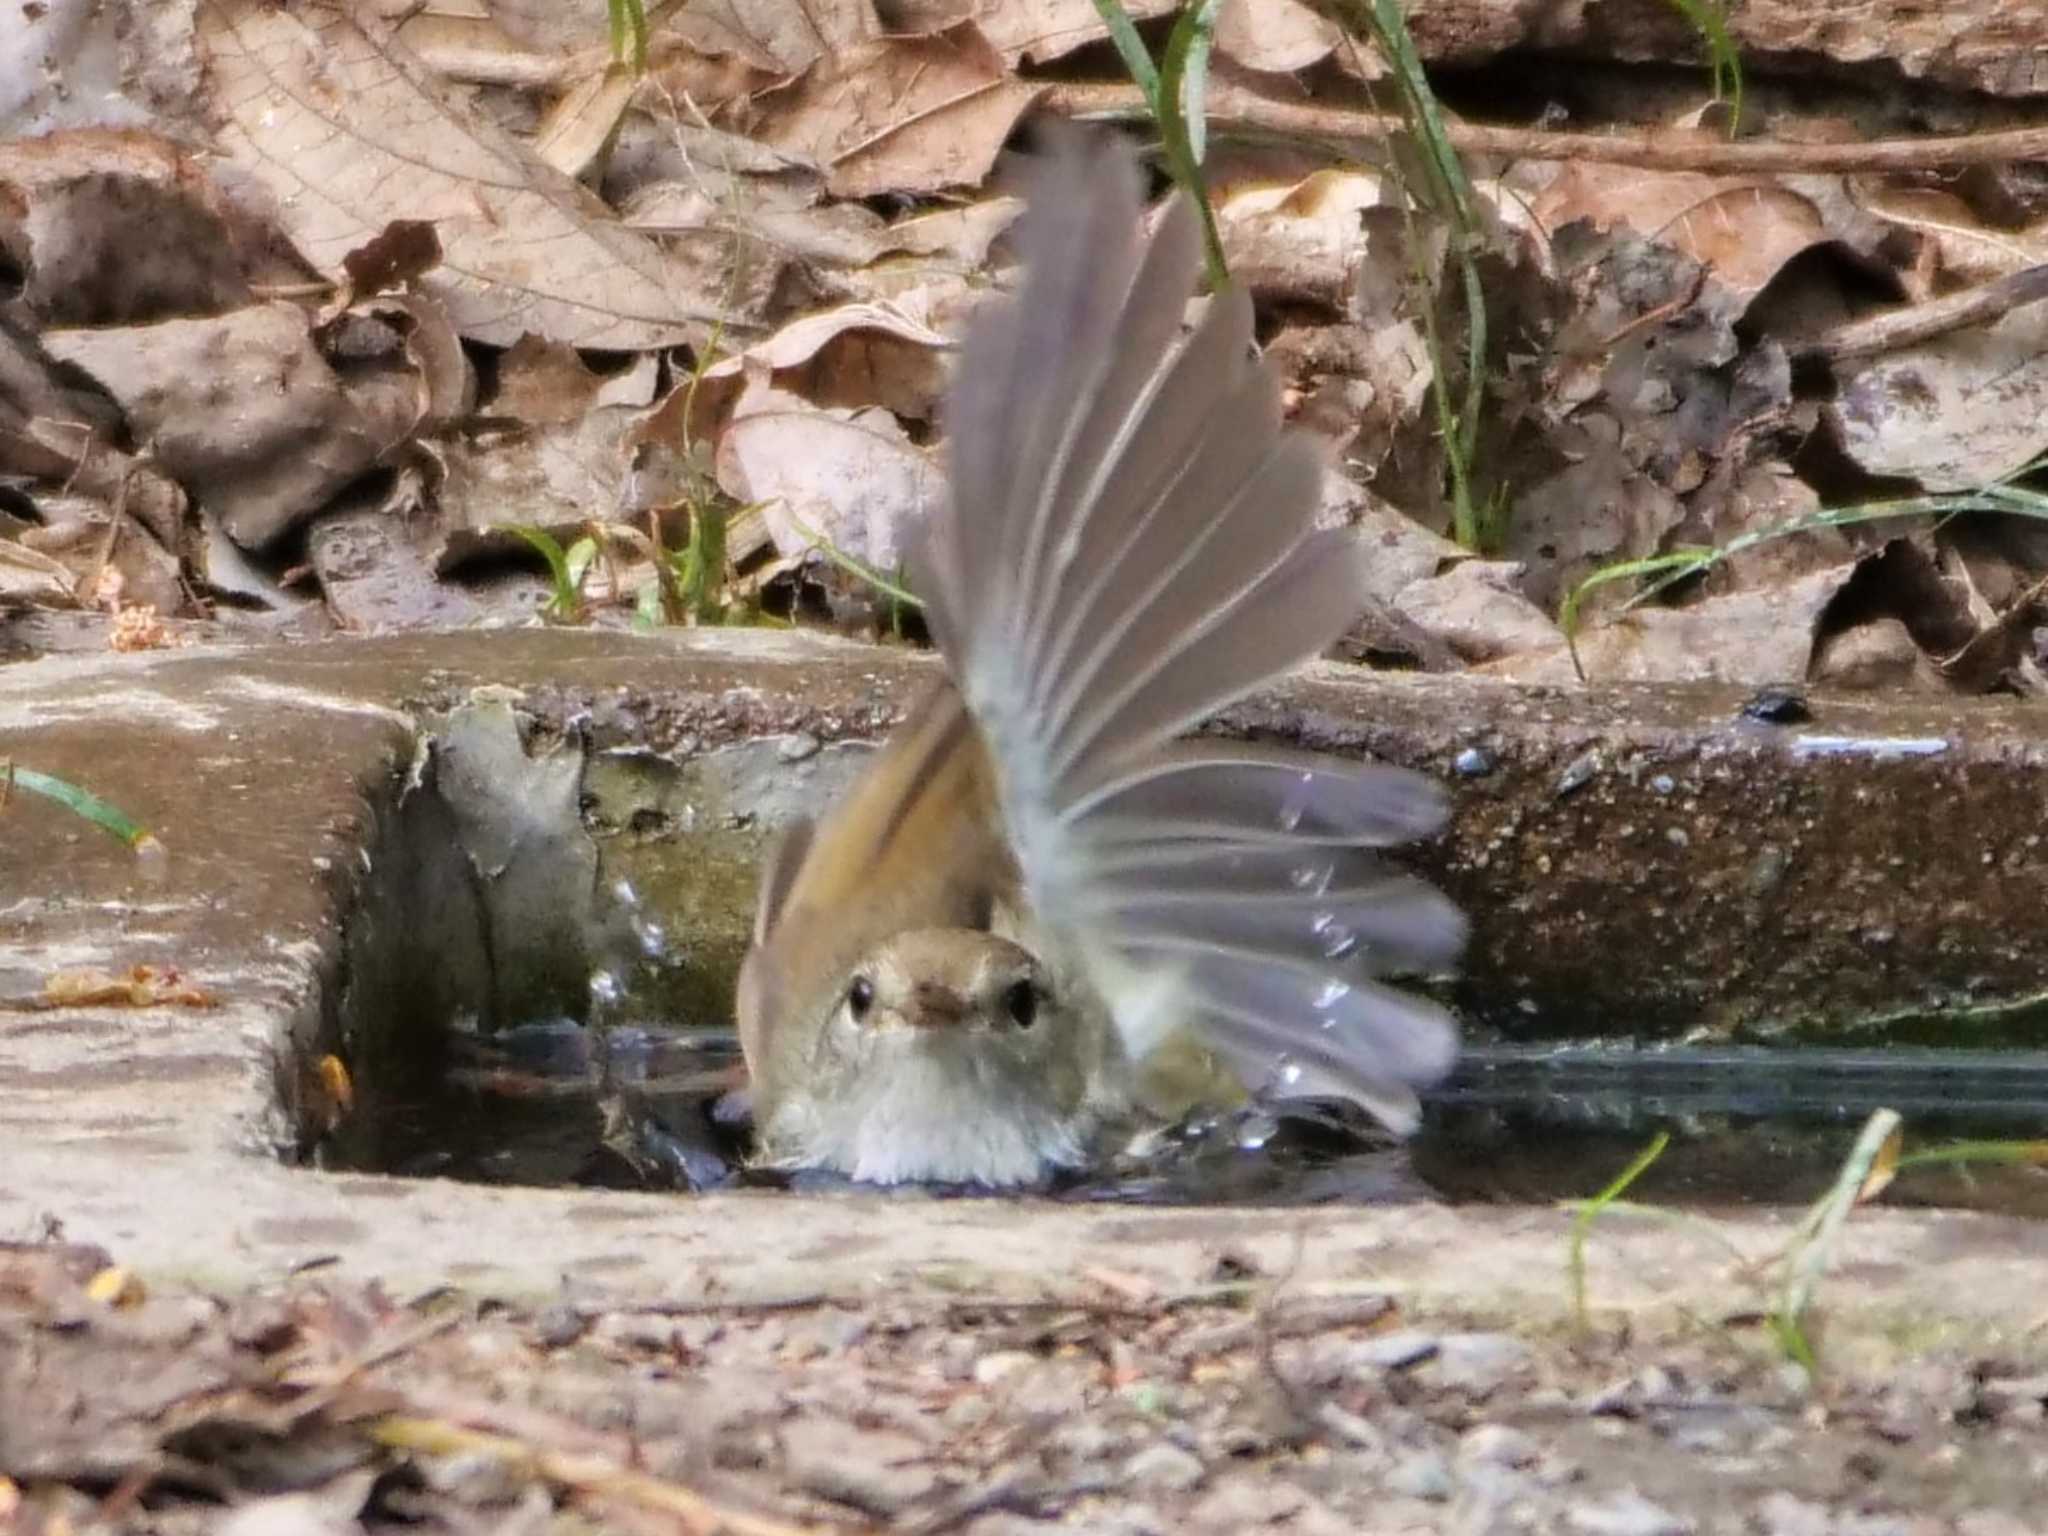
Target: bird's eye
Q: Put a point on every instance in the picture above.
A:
(1020, 1002)
(860, 997)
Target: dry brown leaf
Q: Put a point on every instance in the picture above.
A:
(1956, 412)
(1748, 638)
(1600, 506)
(1303, 243)
(242, 410)
(543, 383)
(1046, 29)
(1274, 36)
(29, 576)
(854, 355)
(348, 130)
(550, 26)
(849, 477)
(900, 114)
(140, 986)
(1741, 229)
(781, 37)
(580, 126)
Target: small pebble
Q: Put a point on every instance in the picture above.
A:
(1004, 1363)
(1497, 1445)
(1626, 1513)
(1397, 1351)
(1479, 1363)
(794, 749)
(1165, 1465)
(1578, 773)
(1473, 763)
(1781, 1514)
(1424, 1475)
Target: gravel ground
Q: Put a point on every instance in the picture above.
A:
(326, 1407)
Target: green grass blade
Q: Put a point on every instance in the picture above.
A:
(1813, 1250)
(1589, 1212)
(839, 557)
(1175, 91)
(79, 801)
(1123, 32)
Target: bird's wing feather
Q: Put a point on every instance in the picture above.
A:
(1129, 548)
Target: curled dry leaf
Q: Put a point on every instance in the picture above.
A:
(855, 354)
(1274, 36)
(1741, 229)
(140, 986)
(242, 410)
(1968, 250)
(349, 131)
(29, 576)
(848, 477)
(900, 114)
(1955, 412)
(1301, 243)
(1039, 30)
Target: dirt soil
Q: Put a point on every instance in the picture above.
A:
(1246, 1404)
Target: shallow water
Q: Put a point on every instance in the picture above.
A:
(627, 1107)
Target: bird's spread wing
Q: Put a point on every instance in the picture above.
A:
(1130, 548)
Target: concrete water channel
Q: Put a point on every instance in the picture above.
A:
(369, 840)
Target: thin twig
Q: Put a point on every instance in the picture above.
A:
(586, 1474)
(1915, 323)
(1233, 105)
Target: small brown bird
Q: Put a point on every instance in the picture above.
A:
(955, 973)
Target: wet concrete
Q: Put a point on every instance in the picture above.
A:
(1820, 874)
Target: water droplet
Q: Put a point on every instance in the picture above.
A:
(604, 987)
(1333, 993)
(653, 939)
(1313, 878)
(624, 894)
(1295, 806)
(1338, 939)
(1256, 1129)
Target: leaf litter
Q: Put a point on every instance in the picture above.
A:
(768, 235)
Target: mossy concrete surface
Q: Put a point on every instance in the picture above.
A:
(1844, 865)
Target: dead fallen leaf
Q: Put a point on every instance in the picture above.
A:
(349, 131)
(1749, 638)
(849, 477)
(241, 409)
(140, 986)
(1741, 229)
(783, 37)
(137, 627)
(1304, 242)
(376, 581)
(1955, 412)
(853, 355)
(1039, 30)
(1275, 37)
(900, 114)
